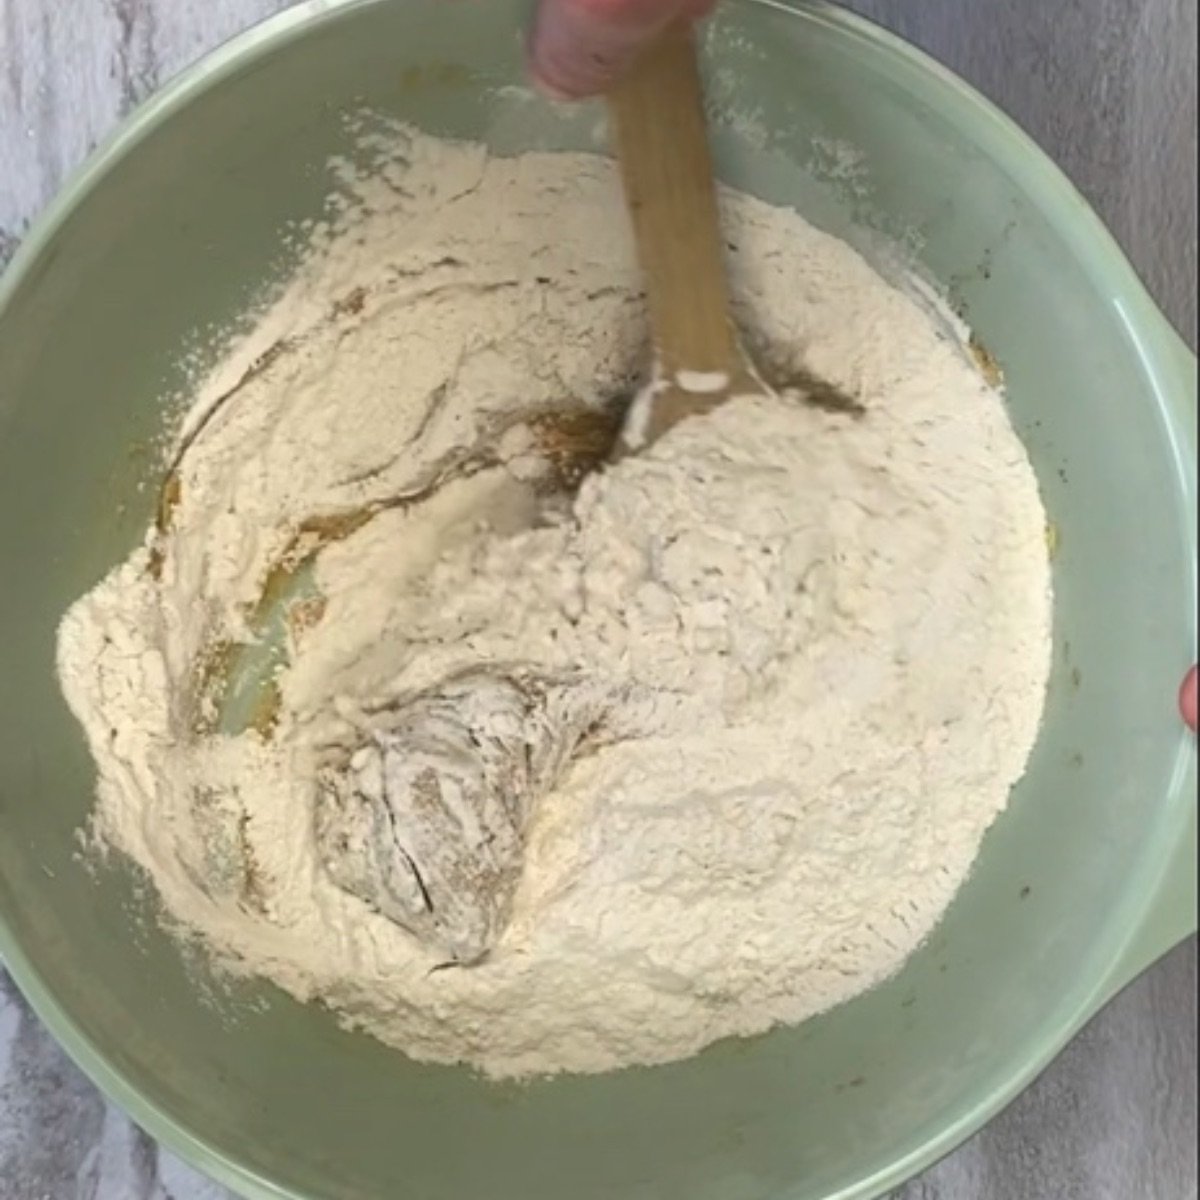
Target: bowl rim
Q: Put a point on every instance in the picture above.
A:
(1168, 362)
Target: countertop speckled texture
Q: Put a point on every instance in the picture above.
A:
(1109, 89)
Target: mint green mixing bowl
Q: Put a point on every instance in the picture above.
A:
(1090, 876)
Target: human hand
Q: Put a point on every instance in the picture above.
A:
(582, 47)
(1187, 699)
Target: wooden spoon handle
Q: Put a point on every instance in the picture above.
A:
(662, 144)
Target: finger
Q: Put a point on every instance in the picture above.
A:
(1188, 701)
(581, 47)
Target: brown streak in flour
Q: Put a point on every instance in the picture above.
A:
(171, 492)
(218, 664)
(573, 440)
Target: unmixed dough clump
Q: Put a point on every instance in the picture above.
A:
(801, 653)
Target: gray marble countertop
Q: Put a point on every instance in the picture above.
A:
(1108, 87)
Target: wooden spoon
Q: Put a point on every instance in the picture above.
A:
(661, 141)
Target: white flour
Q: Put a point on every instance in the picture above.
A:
(819, 640)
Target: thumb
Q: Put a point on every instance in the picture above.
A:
(581, 47)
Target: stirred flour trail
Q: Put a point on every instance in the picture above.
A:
(805, 651)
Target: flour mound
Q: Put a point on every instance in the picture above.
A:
(808, 649)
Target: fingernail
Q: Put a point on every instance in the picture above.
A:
(580, 47)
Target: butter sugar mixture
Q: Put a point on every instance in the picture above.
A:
(771, 679)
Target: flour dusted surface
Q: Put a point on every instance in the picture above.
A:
(819, 640)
